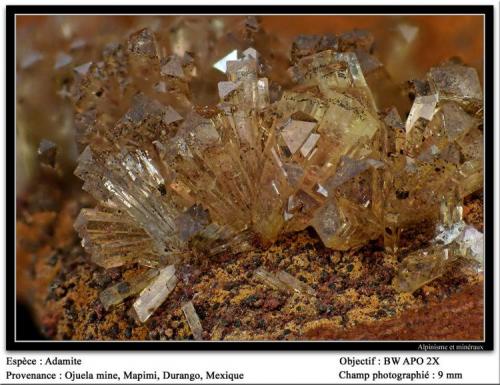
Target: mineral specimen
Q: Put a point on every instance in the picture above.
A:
(193, 320)
(283, 281)
(115, 294)
(47, 152)
(454, 241)
(177, 181)
(155, 293)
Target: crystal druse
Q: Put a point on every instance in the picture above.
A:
(177, 179)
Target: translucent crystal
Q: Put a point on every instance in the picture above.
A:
(221, 65)
(472, 176)
(305, 45)
(31, 58)
(240, 70)
(132, 182)
(471, 242)
(226, 88)
(434, 156)
(172, 66)
(117, 293)
(193, 320)
(423, 266)
(325, 129)
(47, 152)
(283, 281)
(155, 293)
(82, 69)
(171, 116)
(250, 53)
(294, 283)
(143, 43)
(369, 64)
(356, 39)
(333, 69)
(456, 121)
(458, 83)
(408, 31)
(62, 60)
(423, 108)
(454, 241)
(113, 239)
(270, 279)
(295, 133)
(78, 44)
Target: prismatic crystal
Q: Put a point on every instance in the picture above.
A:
(178, 180)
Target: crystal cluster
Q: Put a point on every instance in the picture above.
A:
(177, 181)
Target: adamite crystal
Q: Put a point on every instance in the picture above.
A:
(176, 180)
(47, 152)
